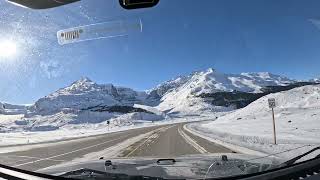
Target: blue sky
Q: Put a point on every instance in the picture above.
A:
(178, 37)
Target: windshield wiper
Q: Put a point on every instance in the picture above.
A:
(293, 160)
(86, 173)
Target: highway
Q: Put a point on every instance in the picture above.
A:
(158, 141)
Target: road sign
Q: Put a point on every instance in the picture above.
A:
(272, 104)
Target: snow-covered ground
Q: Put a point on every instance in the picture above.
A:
(297, 123)
(78, 131)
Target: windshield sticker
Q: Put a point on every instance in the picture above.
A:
(96, 31)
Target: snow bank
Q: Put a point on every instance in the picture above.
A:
(73, 119)
(140, 116)
(297, 122)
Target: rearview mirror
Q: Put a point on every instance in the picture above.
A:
(137, 4)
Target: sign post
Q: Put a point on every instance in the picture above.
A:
(272, 104)
(108, 122)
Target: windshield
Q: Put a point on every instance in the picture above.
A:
(92, 80)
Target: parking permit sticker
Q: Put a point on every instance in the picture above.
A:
(103, 30)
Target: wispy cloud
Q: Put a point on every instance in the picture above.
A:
(52, 69)
(315, 22)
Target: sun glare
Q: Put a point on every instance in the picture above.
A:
(7, 49)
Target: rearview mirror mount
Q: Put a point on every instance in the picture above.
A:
(137, 4)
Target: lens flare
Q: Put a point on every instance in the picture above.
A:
(7, 48)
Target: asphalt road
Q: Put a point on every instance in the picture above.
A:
(159, 141)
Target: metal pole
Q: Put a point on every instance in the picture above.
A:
(274, 128)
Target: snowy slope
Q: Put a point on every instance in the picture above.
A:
(180, 94)
(149, 108)
(297, 121)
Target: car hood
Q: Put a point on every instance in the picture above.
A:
(191, 166)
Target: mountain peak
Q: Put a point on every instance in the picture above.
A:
(210, 70)
(84, 79)
(82, 82)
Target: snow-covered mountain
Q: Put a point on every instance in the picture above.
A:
(210, 80)
(181, 93)
(177, 95)
(84, 93)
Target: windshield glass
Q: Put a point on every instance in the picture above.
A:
(181, 79)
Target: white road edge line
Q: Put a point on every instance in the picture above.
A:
(31, 157)
(192, 142)
(233, 147)
(49, 158)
